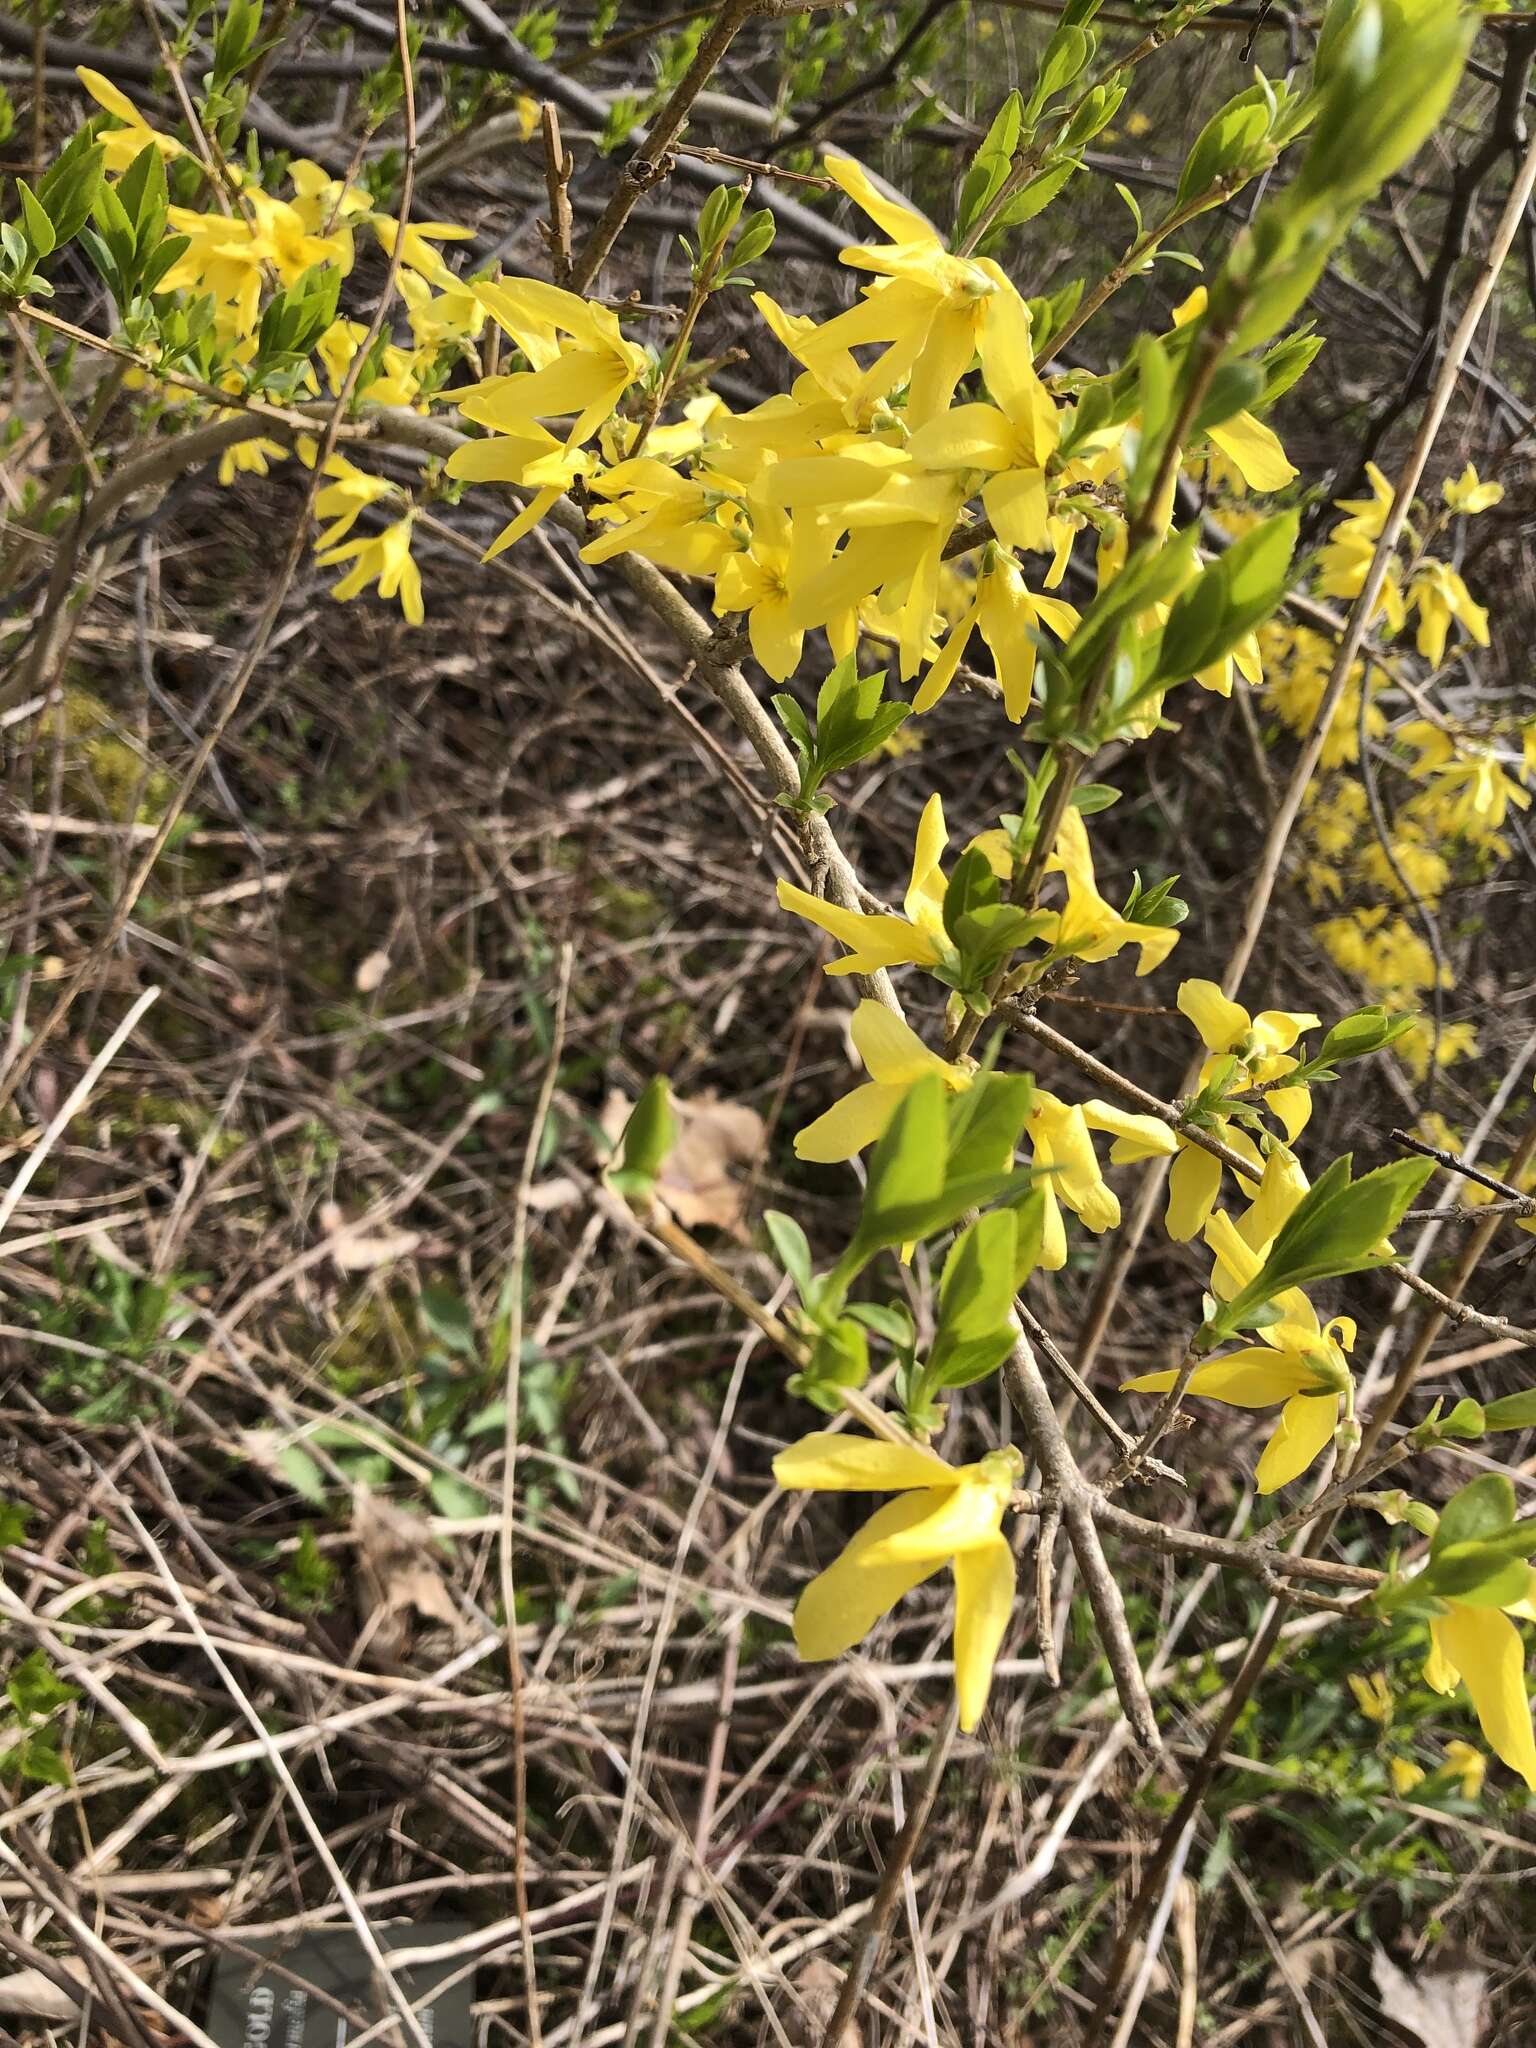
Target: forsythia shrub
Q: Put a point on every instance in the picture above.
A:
(918, 491)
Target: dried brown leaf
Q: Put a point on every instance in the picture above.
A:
(355, 1251)
(699, 1180)
(398, 1573)
(1442, 2011)
(31, 1994)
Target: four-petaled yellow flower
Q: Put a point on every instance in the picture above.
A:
(878, 939)
(1263, 1044)
(1483, 1646)
(1087, 927)
(943, 1514)
(897, 1060)
(1440, 596)
(384, 558)
(1466, 493)
(1059, 1136)
(1298, 1366)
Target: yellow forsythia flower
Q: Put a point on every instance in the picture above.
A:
(384, 558)
(1466, 494)
(882, 939)
(943, 1514)
(1263, 1044)
(1483, 1646)
(1298, 1366)
(897, 1059)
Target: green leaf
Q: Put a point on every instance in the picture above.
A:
(648, 1137)
(1228, 599)
(1511, 1411)
(792, 1250)
(1335, 1229)
(840, 1359)
(907, 1165)
(447, 1317)
(457, 1498)
(1226, 144)
(1484, 1507)
(302, 1474)
(40, 231)
(14, 1517)
(36, 1689)
(68, 191)
(972, 886)
(975, 1329)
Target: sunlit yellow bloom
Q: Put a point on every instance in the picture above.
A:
(1440, 596)
(416, 250)
(943, 1514)
(344, 498)
(933, 310)
(1405, 1775)
(1373, 1696)
(896, 1059)
(586, 377)
(453, 314)
(1466, 494)
(1483, 1646)
(1262, 1043)
(1088, 928)
(885, 940)
(1298, 1366)
(1466, 1763)
(384, 558)
(122, 145)
(763, 580)
(1010, 442)
(1059, 1136)
(322, 201)
(655, 511)
(1008, 614)
(1253, 455)
(249, 458)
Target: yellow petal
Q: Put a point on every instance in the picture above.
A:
(1236, 1261)
(1304, 1431)
(1061, 1139)
(959, 1518)
(106, 94)
(1220, 1022)
(926, 888)
(1293, 1106)
(1053, 1234)
(1255, 1377)
(1255, 452)
(1440, 1674)
(984, 1587)
(831, 1461)
(1017, 505)
(1193, 1186)
(945, 667)
(842, 1604)
(1278, 1030)
(1486, 1648)
(854, 1121)
(966, 437)
(874, 941)
(891, 1049)
(898, 221)
(1281, 1187)
(1136, 1137)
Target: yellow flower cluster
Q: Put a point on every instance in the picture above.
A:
(837, 505)
(243, 243)
(1461, 785)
